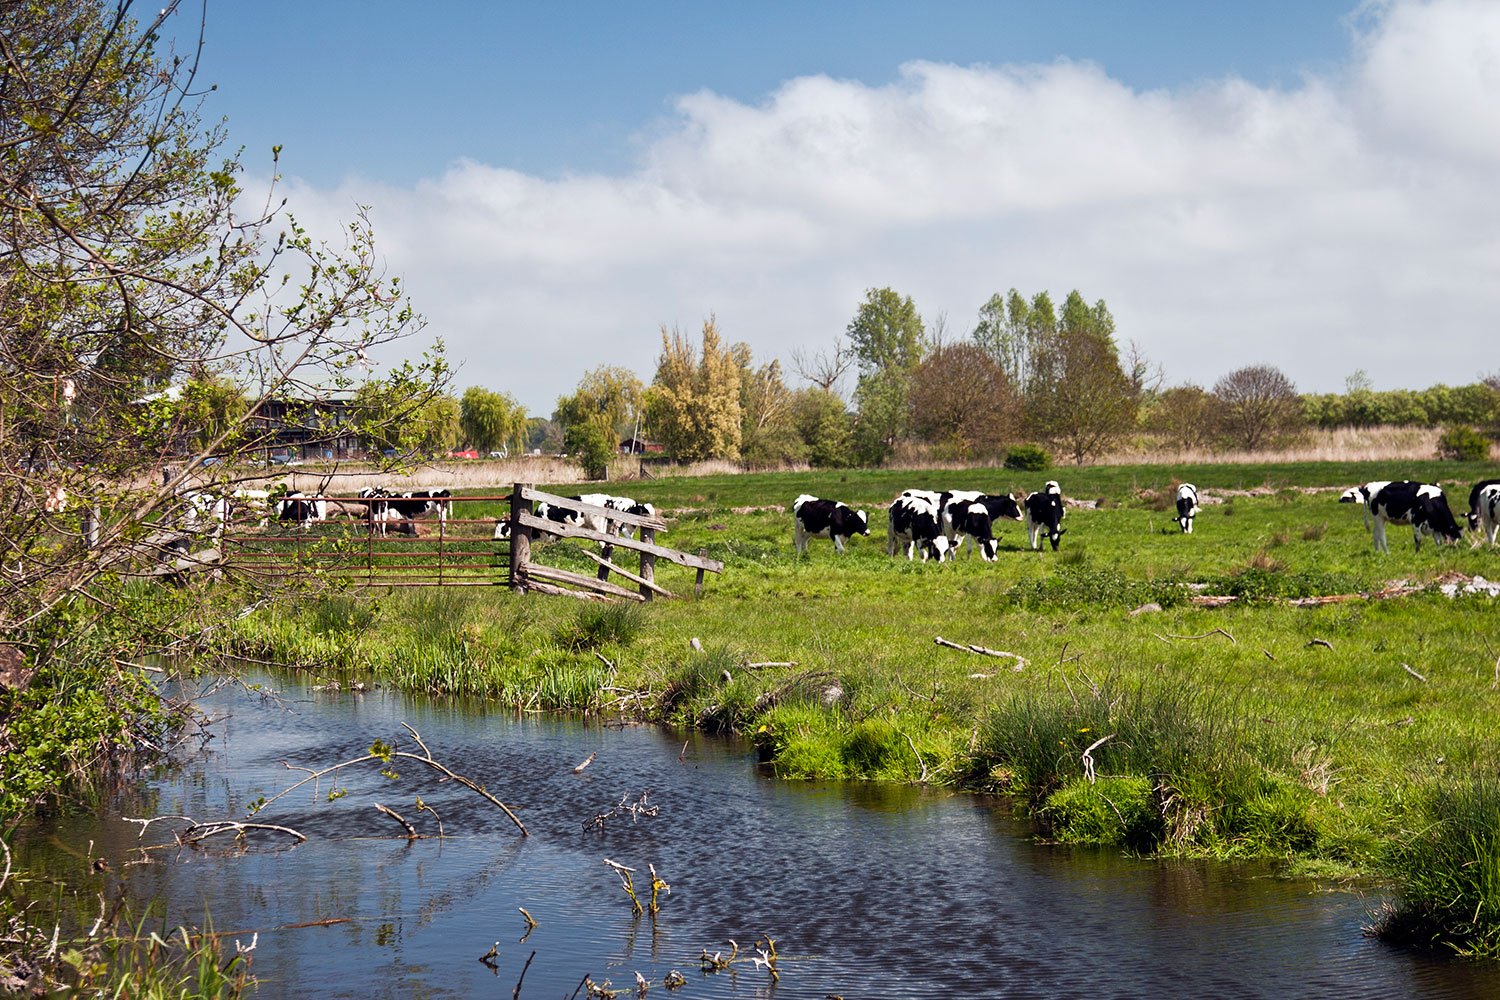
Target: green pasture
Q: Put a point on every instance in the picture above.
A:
(1338, 735)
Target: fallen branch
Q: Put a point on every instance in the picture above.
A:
(770, 663)
(586, 762)
(1321, 642)
(1088, 757)
(983, 651)
(385, 755)
(411, 831)
(196, 831)
(1414, 673)
(1205, 635)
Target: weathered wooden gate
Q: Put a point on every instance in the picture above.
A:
(525, 574)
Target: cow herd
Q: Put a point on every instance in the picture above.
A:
(935, 524)
(600, 523)
(205, 511)
(1425, 508)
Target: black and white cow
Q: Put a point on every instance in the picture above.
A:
(972, 520)
(1363, 495)
(624, 505)
(377, 507)
(1187, 507)
(1486, 508)
(1475, 514)
(204, 512)
(813, 517)
(301, 508)
(915, 524)
(1421, 505)
(1044, 511)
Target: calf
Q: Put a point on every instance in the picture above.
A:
(1044, 510)
(1475, 514)
(815, 518)
(973, 521)
(915, 524)
(1486, 507)
(1362, 495)
(303, 509)
(1420, 505)
(1187, 507)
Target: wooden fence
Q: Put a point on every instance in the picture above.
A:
(526, 574)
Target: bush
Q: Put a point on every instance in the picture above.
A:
(1463, 444)
(1028, 458)
(1112, 812)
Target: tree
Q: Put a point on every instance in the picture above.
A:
(693, 405)
(886, 333)
(1087, 401)
(825, 426)
(1181, 415)
(823, 369)
(768, 432)
(1256, 407)
(883, 414)
(608, 396)
(491, 420)
(962, 401)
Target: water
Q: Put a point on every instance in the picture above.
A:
(869, 891)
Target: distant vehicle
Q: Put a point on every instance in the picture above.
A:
(281, 458)
(464, 453)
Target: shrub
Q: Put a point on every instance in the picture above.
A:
(1112, 812)
(1028, 458)
(598, 624)
(1463, 444)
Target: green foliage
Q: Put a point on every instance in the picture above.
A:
(1463, 444)
(1027, 458)
(1110, 812)
(492, 420)
(694, 403)
(1080, 586)
(886, 333)
(587, 444)
(1448, 870)
(825, 426)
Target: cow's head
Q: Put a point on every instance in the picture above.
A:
(1055, 536)
(1352, 495)
(864, 522)
(938, 547)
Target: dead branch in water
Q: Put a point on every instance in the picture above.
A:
(197, 831)
(516, 993)
(628, 884)
(1021, 661)
(411, 831)
(385, 753)
(1205, 635)
(640, 807)
(586, 762)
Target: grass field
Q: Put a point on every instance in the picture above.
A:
(1352, 735)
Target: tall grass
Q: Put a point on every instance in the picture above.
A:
(1448, 871)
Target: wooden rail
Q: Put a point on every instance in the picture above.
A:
(528, 575)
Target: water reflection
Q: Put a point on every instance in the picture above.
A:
(870, 890)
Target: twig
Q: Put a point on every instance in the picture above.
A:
(586, 762)
(516, 993)
(196, 831)
(1321, 642)
(411, 831)
(530, 920)
(1414, 673)
(1205, 635)
(920, 761)
(983, 651)
(1268, 655)
(771, 663)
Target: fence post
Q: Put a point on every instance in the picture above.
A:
(698, 584)
(520, 539)
(648, 563)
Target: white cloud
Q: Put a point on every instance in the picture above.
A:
(1345, 223)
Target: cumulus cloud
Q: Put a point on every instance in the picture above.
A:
(1347, 222)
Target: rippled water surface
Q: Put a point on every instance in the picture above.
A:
(869, 891)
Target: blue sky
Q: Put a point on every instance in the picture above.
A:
(1306, 184)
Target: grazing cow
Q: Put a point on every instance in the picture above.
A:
(1420, 505)
(377, 507)
(1487, 508)
(816, 518)
(299, 507)
(915, 524)
(624, 505)
(1363, 495)
(973, 520)
(1187, 507)
(502, 529)
(257, 503)
(404, 508)
(1474, 515)
(1044, 510)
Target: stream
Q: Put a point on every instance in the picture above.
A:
(869, 890)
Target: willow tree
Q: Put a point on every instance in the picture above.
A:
(492, 419)
(130, 269)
